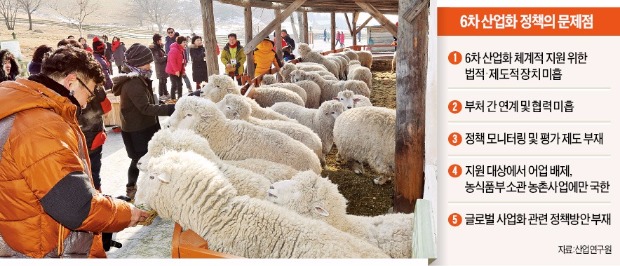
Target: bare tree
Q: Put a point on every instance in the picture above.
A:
(190, 16)
(30, 6)
(76, 11)
(158, 12)
(8, 10)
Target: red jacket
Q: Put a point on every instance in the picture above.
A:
(176, 59)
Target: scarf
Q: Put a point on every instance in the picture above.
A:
(144, 73)
(115, 45)
(233, 45)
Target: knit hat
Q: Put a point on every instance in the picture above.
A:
(98, 46)
(138, 55)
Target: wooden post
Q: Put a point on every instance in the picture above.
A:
(306, 37)
(272, 25)
(385, 22)
(363, 25)
(356, 15)
(248, 37)
(208, 28)
(278, 38)
(411, 73)
(333, 33)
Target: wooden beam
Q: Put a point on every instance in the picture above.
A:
(272, 25)
(348, 23)
(415, 10)
(278, 37)
(411, 71)
(386, 23)
(208, 28)
(306, 37)
(247, 14)
(363, 24)
(333, 31)
(261, 4)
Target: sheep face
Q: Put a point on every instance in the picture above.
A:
(235, 107)
(347, 98)
(218, 87)
(184, 118)
(149, 183)
(304, 49)
(331, 108)
(297, 76)
(269, 79)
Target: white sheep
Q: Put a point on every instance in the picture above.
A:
(321, 120)
(367, 135)
(330, 89)
(289, 86)
(265, 113)
(343, 55)
(350, 100)
(310, 66)
(217, 87)
(365, 57)
(285, 71)
(351, 54)
(359, 72)
(339, 64)
(267, 96)
(344, 65)
(312, 90)
(307, 55)
(186, 188)
(238, 140)
(245, 181)
(313, 196)
(235, 107)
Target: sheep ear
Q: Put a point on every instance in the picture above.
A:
(335, 98)
(164, 178)
(356, 100)
(321, 211)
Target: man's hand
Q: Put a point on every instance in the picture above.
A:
(137, 216)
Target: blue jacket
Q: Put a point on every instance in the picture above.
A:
(169, 41)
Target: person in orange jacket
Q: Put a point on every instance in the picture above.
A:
(265, 58)
(50, 207)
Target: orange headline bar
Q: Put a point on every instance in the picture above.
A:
(550, 21)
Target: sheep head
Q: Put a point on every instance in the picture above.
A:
(286, 69)
(298, 75)
(235, 107)
(304, 49)
(269, 79)
(218, 87)
(347, 99)
(331, 108)
(308, 194)
(195, 113)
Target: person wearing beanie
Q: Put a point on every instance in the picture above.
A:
(118, 53)
(139, 110)
(160, 57)
(175, 66)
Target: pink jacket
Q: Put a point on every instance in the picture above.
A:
(176, 59)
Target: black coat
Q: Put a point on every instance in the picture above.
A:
(199, 66)
(91, 117)
(160, 57)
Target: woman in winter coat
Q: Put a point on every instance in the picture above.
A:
(160, 57)
(118, 52)
(9, 69)
(265, 57)
(139, 111)
(40, 54)
(175, 66)
(199, 65)
(82, 41)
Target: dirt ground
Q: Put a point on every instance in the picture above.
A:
(365, 198)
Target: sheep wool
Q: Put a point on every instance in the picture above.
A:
(365, 57)
(191, 190)
(367, 135)
(267, 96)
(307, 55)
(352, 55)
(245, 181)
(315, 197)
(234, 107)
(239, 140)
(291, 87)
(218, 87)
(321, 120)
(359, 72)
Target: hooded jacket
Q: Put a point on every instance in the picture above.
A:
(176, 59)
(264, 57)
(14, 67)
(138, 107)
(199, 65)
(46, 187)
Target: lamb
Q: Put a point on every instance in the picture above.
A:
(246, 182)
(313, 196)
(270, 82)
(352, 55)
(367, 135)
(349, 100)
(330, 89)
(190, 190)
(321, 120)
(365, 57)
(359, 72)
(307, 55)
(235, 107)
(267, 96)
(238, 140)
